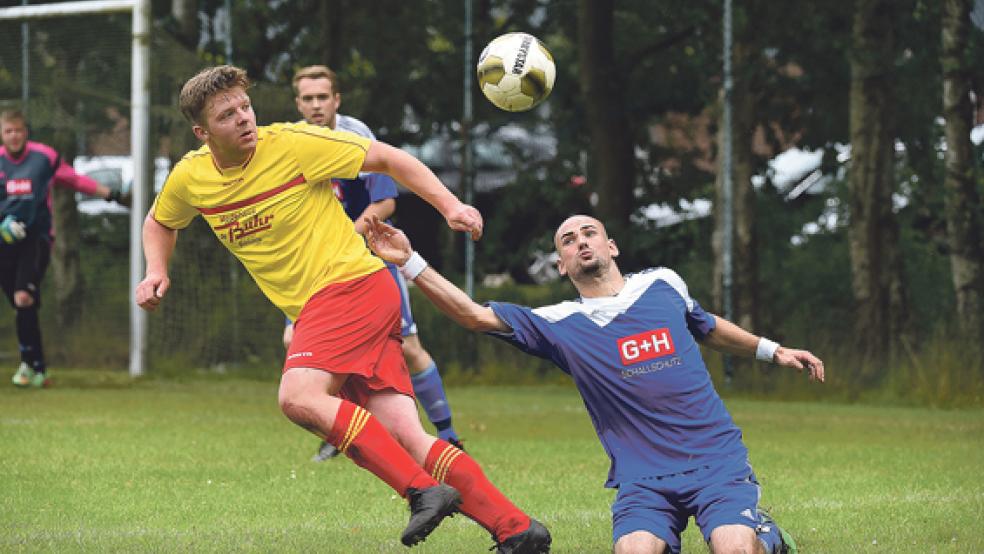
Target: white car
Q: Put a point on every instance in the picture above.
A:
(115, 172)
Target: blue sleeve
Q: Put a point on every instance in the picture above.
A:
(699, 322)
(529, 332)
(380, 187)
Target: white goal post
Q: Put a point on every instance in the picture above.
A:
(139, 136)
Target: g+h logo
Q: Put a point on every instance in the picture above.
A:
(646, 346)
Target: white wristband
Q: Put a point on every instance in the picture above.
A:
(766, 349)
(414, 267)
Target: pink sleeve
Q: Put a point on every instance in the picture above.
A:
(67, 177)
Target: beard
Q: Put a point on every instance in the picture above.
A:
(591, 269)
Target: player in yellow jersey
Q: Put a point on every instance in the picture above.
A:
(261, 191)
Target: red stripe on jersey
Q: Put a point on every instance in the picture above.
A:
(259, 197)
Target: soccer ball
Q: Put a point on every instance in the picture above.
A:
(516, 72)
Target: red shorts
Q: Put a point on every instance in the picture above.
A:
(354, 328)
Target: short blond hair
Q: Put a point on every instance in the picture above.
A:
(316, 72)
(7, 116)
(209, 81)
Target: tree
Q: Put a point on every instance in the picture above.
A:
(745, 120)
(962, 201)
(873, 234)
(613, 165)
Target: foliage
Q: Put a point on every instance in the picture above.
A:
(403, 74)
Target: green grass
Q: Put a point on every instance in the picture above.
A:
(100, 464)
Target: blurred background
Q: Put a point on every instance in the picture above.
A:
(854, 170)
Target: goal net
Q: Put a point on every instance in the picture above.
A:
(71, 76)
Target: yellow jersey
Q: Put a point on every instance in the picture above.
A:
(277, 212)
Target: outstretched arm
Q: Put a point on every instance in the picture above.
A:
(732, 339)
(390, 244)
(413, 174)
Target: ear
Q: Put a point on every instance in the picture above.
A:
(200, 132)
(338, 100)
(560, 267)
(612, 247)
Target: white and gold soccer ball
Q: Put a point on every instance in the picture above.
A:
(516, 72)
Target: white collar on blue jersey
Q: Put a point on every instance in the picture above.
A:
(602, 310)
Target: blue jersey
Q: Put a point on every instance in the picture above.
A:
(635, 360)
(356, 194)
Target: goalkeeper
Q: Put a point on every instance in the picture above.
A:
(631, 344)
(28, 171)
(318, 98)
(263, 192)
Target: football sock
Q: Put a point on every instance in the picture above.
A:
(481, 501)
(360, 436)
(429, 390)
(29, 337)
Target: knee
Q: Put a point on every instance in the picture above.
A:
(293, 401)
(639, 542)
(735, 539)
(417, 358)
(23, 299)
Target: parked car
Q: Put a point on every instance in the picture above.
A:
(115, 172)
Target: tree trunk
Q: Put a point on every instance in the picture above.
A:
(331, 17)
(963, 204)
(877, 283)
(187, 28)
(66, 267)
(744, 287)
(613, 164)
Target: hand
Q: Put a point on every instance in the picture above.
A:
(800, 360)
(466, 218)
(387, 242)
(12, 230)
(120, 197)
(151, 290)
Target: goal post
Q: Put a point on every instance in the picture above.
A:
(139, 135)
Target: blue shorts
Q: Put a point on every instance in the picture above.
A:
(724, 493)
(407, 325)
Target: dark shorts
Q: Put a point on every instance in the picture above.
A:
(23, 264)
(725, 493)
(354, 328)
(407, 325)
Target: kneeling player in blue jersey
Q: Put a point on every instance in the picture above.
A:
(630, 344)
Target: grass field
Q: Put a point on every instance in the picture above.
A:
(100, 464)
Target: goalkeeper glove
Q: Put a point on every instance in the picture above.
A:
(11, 230)
(119, 197)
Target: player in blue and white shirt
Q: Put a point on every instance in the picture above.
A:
(631, 345)
(318, 98)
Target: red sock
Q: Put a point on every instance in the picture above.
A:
(481, 501)
(360, 436)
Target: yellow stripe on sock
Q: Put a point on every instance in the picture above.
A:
(444, 462)
(447, 465)
(440, 461)
(359, 418)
